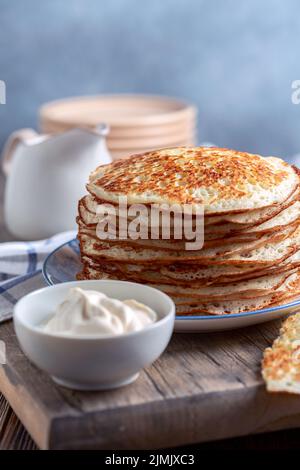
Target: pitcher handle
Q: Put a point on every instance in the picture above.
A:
(11, 144)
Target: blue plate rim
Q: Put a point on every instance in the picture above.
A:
(44, 267)
(183, 317)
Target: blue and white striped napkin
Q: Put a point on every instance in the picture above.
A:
(21, 269)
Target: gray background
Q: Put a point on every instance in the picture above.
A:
(235, 59)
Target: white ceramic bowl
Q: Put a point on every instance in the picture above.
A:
(93, 362)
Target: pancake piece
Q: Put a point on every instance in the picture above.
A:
(221, 180)
(274, 249)
(286, 290)
(173, 275)
(257, 216)
(281, 362)
(251, 254)
(289, 215)
(190, 295)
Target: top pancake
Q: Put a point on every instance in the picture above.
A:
(221, 180)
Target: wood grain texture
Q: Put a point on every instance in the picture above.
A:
(13, 435)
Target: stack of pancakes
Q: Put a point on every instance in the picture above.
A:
(251, 254)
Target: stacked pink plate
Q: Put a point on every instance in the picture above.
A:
(137, 122)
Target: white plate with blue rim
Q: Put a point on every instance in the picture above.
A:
(63, 264)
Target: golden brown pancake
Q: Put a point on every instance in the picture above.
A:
(251, 253)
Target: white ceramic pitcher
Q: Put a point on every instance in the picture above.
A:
(46, 176)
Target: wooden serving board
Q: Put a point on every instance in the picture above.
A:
(204, 387)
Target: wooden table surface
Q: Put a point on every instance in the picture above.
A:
(14, 436)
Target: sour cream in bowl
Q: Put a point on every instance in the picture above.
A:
(90, 312)
(94, 335)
